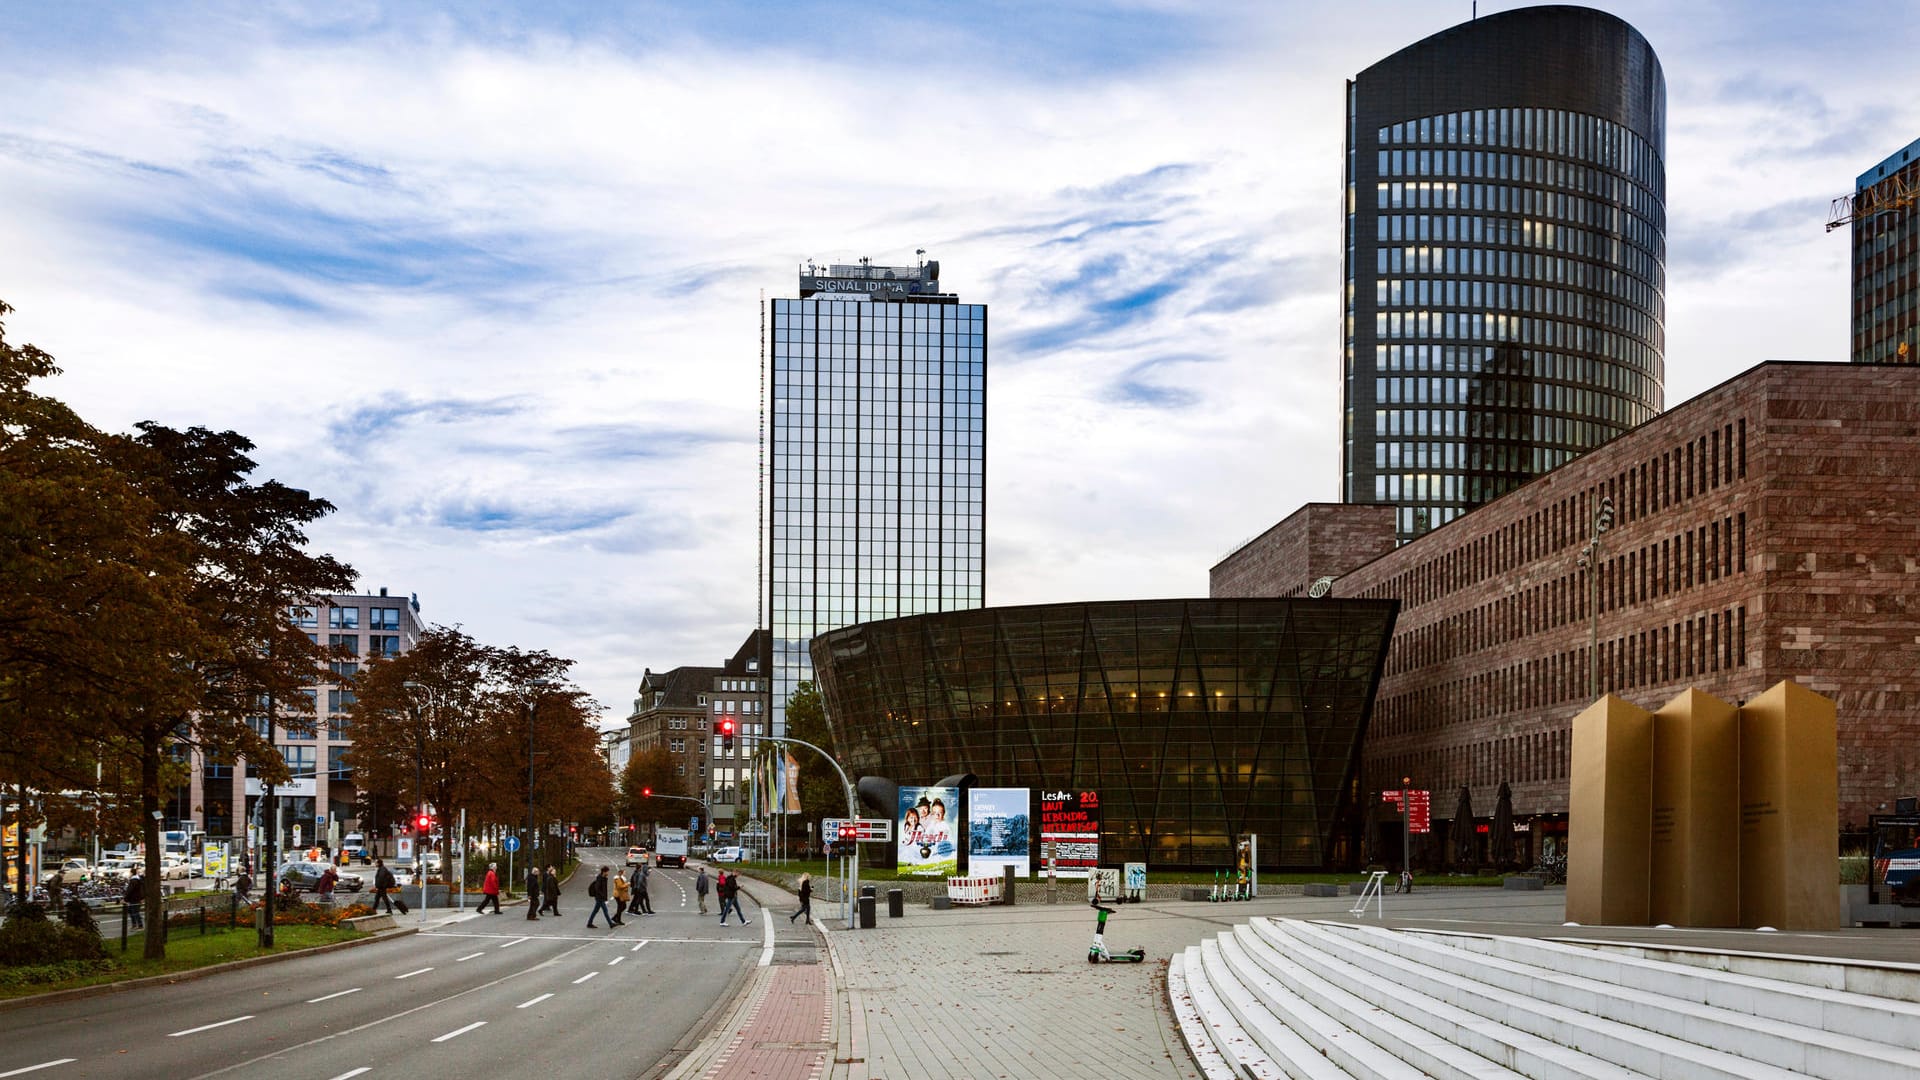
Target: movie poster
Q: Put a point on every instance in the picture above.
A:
(1070, 820)
(929, 817)
(998, 831)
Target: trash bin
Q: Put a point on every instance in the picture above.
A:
(896, 903)
(866, 911)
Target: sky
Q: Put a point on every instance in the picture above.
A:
(487, 276)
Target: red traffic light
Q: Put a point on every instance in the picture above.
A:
(646, 792)
(423, 823)
(849, 832)
(726, 725)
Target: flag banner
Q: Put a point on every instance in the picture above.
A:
(792, 803)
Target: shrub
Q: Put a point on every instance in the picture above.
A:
(79, 916)
(29, 941)
(39, 974)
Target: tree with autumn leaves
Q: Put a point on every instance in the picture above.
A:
(451, 722)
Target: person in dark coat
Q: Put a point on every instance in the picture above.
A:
(597, 890)
(383, 885)
(533, 893)
(806, 900)
(700, 889)
(730, 897)
(550, 891)
(135, 899)
(641, 902)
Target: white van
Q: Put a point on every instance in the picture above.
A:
(355, 846)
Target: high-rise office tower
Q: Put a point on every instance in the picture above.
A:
(875, 457)
(1885, 214)
(1505, 257)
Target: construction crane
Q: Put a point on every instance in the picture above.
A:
(1896, 192)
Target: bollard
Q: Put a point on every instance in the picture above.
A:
(896, 903)
(123, 928)
(866, 907)
(1006, 886)
(868, 891)
(203, 919)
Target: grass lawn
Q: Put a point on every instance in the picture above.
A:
(186, 950)
(818, 868)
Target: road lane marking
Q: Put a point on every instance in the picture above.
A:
(535, 1001)
(766, 950)
(207, 1027)
(467, 957)
(354, 1072)
(514, 942)
(585, 977)
(457, 1032)
(37, 1068)
(330, 997)
(248, 1066)
(604, 938)
(615, 960)
(636, 948)
(411, 974)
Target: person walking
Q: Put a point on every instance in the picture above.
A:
(642, 902)
(806, 900)
(622, 893)
(550, 891)
(730, 898)
(533, 893)
(597, 890)
(490, 890)
(135, 901)
(328, 879)
(383, 885)
(720, 894)
(243, 885)
(700, 889)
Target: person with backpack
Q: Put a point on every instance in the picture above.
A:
(597, 891)
(135, 899)
(384, 883)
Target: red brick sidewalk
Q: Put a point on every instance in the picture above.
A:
(787, 1033)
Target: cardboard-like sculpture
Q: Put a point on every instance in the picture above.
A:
(1704, 814)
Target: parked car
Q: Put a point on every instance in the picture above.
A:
(432, 861)
(174, 866)
(725, 854)
(72, 872)
(119, 866)
(304, 876)
(636, 856)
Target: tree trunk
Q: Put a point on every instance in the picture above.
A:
(156, 941)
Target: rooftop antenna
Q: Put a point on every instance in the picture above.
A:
(921, 252)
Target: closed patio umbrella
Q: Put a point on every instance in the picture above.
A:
(1466, 849)
(1500, 833)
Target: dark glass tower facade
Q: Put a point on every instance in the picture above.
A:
(1505, 256)
(1886, 260)
(1197, 721)
(876, 457)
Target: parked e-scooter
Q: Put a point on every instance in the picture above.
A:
(1098, 953)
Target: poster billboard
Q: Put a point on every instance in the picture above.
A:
(999, 831)
(928, 818)
(1070, 821)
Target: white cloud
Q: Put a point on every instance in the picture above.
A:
(284, 226)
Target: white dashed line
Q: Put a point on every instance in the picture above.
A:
(330, 997)
(514, 942)
(37, 1068)
(766, 950)
(535, 1001)
(411, 974)
(349, 1074)
(585, 977)
(615, 960)
(207, 1027)
(636, 948)
(467, 957)
(457, 1032)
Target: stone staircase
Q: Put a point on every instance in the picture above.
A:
(1315, 1000)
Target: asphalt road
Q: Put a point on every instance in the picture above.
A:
(474, 998)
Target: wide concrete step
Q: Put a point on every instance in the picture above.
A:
(1808, 1004)
(1317, 1000)
(1633, 1030)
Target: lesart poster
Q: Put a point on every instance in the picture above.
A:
(1070, 821)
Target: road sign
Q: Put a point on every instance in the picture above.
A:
(694, 825)
(866, 829)
(1420, 817)
(511, 843)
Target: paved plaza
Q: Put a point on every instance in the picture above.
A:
(1006, 992)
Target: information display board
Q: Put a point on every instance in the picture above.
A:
(1070, 820)
(928, 816)
(999, 830)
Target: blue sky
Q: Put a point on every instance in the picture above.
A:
(486, 275)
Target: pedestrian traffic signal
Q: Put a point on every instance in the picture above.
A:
(423, 824)
(726, 734)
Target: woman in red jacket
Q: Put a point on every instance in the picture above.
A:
(490, 891)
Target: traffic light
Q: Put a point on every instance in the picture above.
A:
(726, 734)
(646, 793)
(423, 824)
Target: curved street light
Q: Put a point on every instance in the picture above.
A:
(1589, 562)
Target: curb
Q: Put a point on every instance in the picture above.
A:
(55, 997)
(719, 1021)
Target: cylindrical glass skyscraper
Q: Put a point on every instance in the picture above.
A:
(1505, 257)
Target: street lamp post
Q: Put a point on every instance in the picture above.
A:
(533, 838)
(1590, 563)
(853, 812)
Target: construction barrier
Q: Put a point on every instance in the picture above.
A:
(975, 890)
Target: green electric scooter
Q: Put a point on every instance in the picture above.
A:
(1098, 953)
